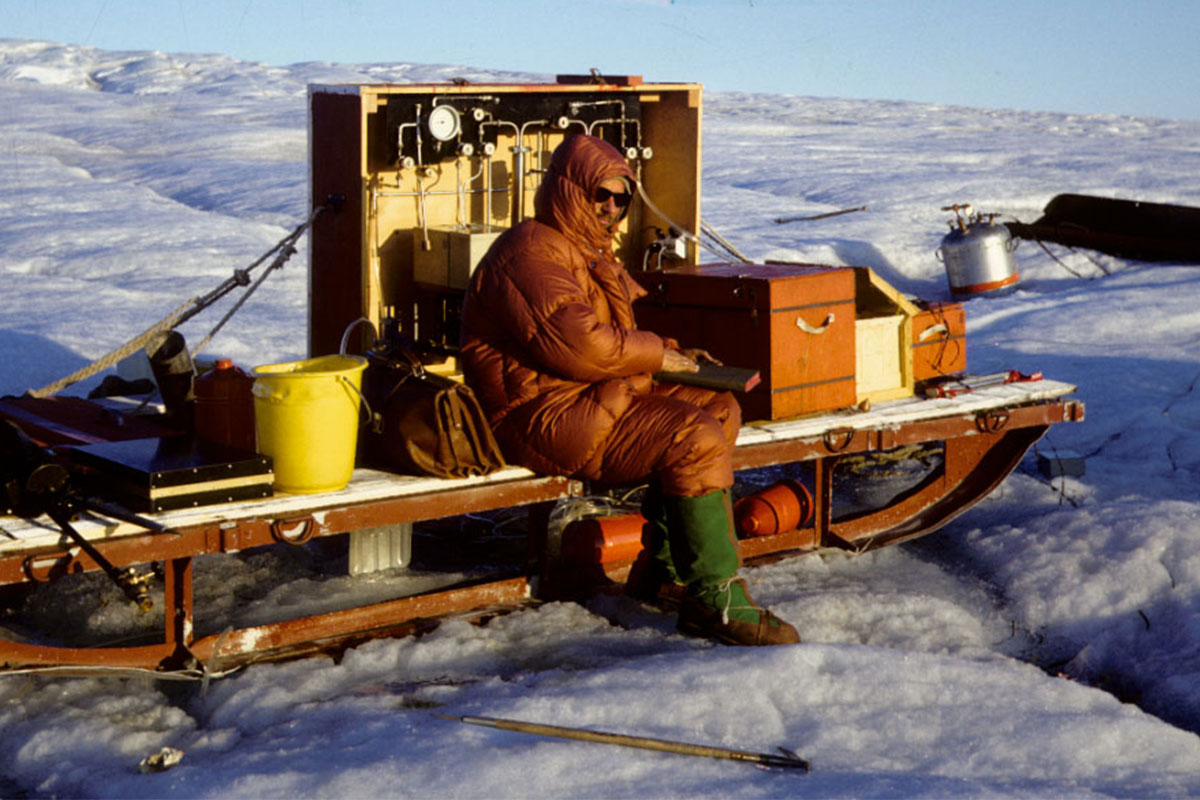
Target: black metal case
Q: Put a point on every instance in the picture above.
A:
(161, 474)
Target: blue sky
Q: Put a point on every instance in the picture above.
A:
(1138, 57)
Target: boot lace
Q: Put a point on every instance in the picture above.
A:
(725, 589)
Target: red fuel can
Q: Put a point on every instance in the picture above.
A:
(225, 406)
(783, 506)
(603, 540)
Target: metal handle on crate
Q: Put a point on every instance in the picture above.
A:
(824, 326)
(933, 330)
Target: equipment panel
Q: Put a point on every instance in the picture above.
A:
(426, 176)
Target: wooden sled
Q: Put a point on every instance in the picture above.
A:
(984, 435)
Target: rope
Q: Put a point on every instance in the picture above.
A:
(124, 351)
(1061, 263)
(285, 249)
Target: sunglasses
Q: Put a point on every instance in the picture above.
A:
(621, 199)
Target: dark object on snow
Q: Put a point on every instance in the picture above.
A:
(1062, 463)
(1124, 228)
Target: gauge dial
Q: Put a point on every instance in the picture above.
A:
(443, 123)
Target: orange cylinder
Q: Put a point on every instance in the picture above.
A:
(603, 540)
(783, 506)
(225, 406)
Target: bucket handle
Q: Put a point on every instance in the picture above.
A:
(372, 418)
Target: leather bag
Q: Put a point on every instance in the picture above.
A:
(423, 423)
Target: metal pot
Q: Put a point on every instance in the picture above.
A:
(978, 255)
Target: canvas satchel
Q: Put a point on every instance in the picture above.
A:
(423, 423)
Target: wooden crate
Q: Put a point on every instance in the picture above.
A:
(939, 342)
(823, 337)
(882, 361)
(446, 256)
(883, 337)
(793, 323)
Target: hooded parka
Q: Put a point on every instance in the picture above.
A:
(550, 346)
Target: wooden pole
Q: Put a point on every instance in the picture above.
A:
(826, 215)
(786, 758)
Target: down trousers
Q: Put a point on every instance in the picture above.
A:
(682, 436)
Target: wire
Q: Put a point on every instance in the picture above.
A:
(729, 251)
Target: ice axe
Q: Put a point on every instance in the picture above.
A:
(786, 759)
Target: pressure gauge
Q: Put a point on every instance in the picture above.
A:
(443, 123)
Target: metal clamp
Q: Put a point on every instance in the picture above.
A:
(991, 421)
(838, 439)
(297, 530)
(45, 567)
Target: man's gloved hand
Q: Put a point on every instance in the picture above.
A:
(699, 356)
(675, 361)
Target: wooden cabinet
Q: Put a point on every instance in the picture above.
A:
(794, 324)
(822, 337)
(425, 176)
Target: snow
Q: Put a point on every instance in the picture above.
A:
(1044, 644)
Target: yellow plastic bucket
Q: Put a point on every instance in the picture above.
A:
(306, 416)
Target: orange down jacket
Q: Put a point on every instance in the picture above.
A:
(549, 343)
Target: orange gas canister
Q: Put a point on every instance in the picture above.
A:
(225, 406)
(603, 540)
(782, 506)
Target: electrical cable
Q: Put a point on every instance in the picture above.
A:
(730, 251)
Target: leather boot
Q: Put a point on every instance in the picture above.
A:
(705, 556)
(175, 375)
(652, 578)
(729, 615)
(651, 582)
